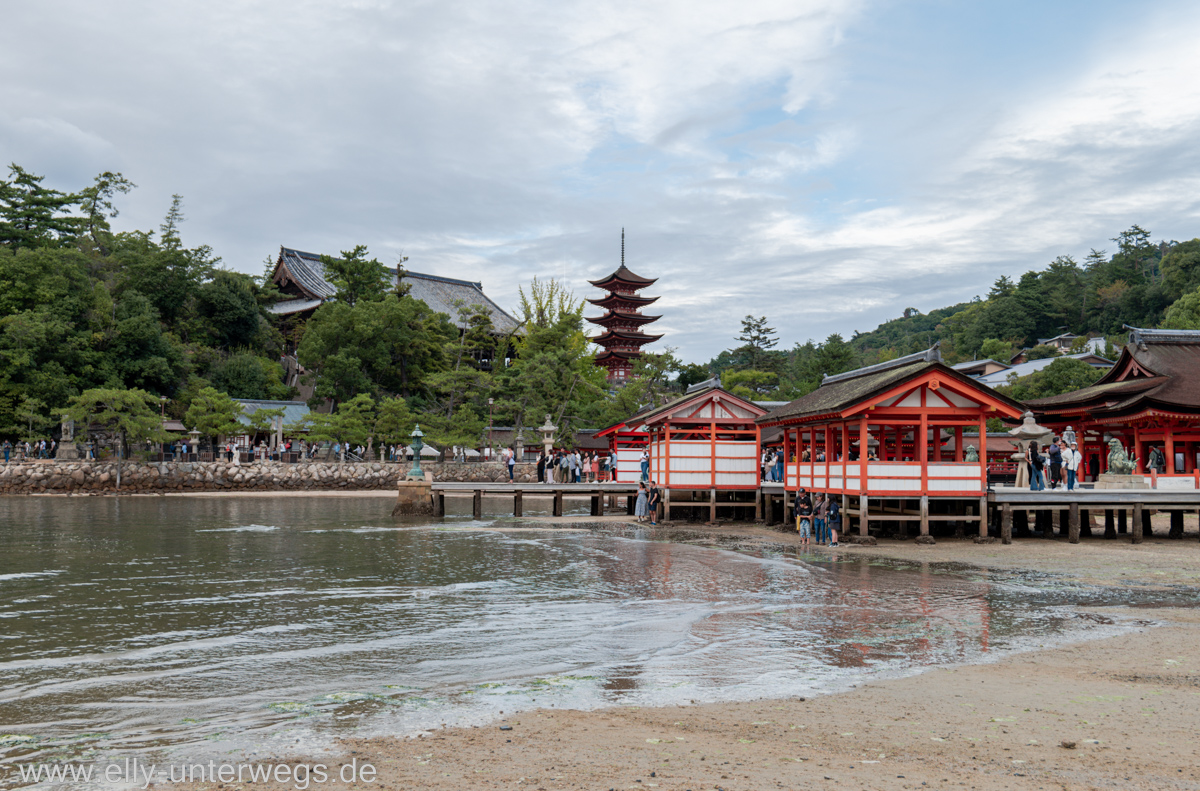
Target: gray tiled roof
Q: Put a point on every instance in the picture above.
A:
(440, 293)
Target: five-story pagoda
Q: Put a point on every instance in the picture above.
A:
(622, 339)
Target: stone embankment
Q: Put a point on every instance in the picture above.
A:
(91, 477)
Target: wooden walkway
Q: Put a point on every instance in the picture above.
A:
(518, 491)
(1125, 510)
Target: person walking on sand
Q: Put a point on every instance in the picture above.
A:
(803, 515)
(833, 518)
(639, 509)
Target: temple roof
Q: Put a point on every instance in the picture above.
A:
(441, 294)
(623, 275)
(1157, 368)
(616, 354)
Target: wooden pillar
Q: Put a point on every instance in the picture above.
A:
(517, 509)
(1122, 521)
(1021, 523)
(922, 436)
(1073, 524)
(1176, 525)
(863, 520)
(1006, 523)
(1136, 532)
(983, 510)
(828, 452)
(712, 445)
(597, 509)
(1170, 436)
(1147, 530)
(558, 503)
(477, 504)
(665, 476)
(1085, 522)
(924, 513)
(439, 504)
(983, 450)
(787, 459)
(712, 505)
(1140, 464)
(1110, 525)
(666, 503)
(863, 452)
(1064, 519)
(758, 505)
(958, 443)
(630, 502)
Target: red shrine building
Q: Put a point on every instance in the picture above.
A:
(1149, 401)
(623, 337)
(876, 438)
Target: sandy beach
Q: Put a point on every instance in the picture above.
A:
(1116, 712)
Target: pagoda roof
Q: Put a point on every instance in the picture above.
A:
(623, 275)
(624, 335)
(616, 354)
(610, 316)
(1157, 370)
(614, 300)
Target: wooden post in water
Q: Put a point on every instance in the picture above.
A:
(863, 521)
(1085, 522)
(1110, 525)
(1147, 530)
(1136, 537)
(924, 514)
(597, 510)
(983, 514)
(439, 504)
(1073, 524)
(558, 503)
(517, 504)
(712, 505)
(1006, 523)
(477, 504)
(758, 506)
(1176, 525)
(1122, 521)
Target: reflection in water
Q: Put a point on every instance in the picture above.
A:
(204, 623)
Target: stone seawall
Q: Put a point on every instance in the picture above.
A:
(85, 477)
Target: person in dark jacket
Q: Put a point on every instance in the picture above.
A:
(803, 511)
(541, 468)
(833, 518)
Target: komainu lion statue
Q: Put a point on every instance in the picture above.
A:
(1118, 461)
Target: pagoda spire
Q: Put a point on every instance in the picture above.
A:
(622, 338)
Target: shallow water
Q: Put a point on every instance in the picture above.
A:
(193, 626)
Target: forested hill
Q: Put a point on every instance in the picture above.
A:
(1143, 284)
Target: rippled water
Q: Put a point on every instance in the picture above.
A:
(193, 625)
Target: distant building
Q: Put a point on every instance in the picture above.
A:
(623, 338)
(1002, 376)
(977, 368)
(301, 276)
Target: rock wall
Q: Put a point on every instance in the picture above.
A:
(85, 477)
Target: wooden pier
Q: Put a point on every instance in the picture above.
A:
(1125, 510)
(596, 491)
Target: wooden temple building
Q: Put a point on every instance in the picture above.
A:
(876, 438)
(623, 336)
(1150, 399)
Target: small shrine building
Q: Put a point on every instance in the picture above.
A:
(876, 437)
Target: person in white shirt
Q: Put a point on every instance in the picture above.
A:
(1072, 458)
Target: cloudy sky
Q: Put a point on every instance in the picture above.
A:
(826, 163)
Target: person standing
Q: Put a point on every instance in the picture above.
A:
(833, 518)
(7, 450)
(595, 468)
(639, 510)
(652, 500)
(1035, 461)
(645, 463)
(763, 463)
(1054, 452)
(541, 467)
(510, 458)
(779, 464)
(802, 511)
(819, 520)
(1072, 459)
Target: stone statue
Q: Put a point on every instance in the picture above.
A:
(68, 429)
(972, 454)
(1118, 461)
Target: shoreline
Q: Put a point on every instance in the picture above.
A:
(1111, 711)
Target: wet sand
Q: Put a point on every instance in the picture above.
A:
(1115, 713)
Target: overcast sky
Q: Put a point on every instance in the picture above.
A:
(826, 163)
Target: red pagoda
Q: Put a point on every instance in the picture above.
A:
(622, 338)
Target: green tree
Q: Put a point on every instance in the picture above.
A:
(229, 308)
(692, 373)
(1184, 313)
(30, 214)
(1064, 375)
(1041, 352)
(394, 422)
(97, 206)
(355, 276)
(32, 413)
(214, 414)
(756, 338)
(995, 349)
(750, 384)
(126, 414)
(244, 375)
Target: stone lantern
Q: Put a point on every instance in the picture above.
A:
(1028, 431)
(548, 430)
(194, 440)
(416, 474)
